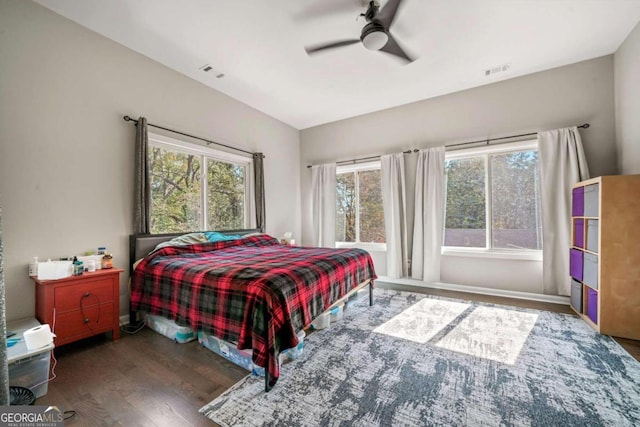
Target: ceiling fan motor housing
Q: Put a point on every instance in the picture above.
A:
(374, 36)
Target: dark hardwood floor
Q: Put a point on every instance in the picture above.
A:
(148, 380)
(140, 380)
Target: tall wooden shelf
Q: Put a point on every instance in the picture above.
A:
(605, 254)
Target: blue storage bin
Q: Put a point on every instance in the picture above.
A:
(28, 368)
(295, 352)
(230, 352)
(169, 328)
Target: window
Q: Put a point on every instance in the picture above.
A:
(359, 212)
(196, 188)
(493, 198)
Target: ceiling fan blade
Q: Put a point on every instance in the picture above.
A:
(388, 13)
(392, 47)
(320, 47)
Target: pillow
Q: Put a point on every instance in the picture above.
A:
(255, 233)
(214, 236)
(185, 239)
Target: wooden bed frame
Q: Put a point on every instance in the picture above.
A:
(140, 245)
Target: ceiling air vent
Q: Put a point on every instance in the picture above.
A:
(209, 69)
(496, 70)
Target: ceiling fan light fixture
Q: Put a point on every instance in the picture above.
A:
(375, 40)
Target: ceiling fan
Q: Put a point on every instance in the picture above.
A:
(375, 35)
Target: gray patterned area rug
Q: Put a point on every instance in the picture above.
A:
(417, 360)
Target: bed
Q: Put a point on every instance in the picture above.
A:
(251, 290)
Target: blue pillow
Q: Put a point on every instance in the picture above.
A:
(214, 236)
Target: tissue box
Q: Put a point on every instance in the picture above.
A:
(53, 270)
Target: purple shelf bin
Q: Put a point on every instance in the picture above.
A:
(578, 232)
(578, 202)
(592, 305)
(575, 264)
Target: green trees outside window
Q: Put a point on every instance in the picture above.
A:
(359, 212)
(178, 181)
(503, 185)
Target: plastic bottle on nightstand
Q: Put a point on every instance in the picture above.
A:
(33, 267)
(107, 261)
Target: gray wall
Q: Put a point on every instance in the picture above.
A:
(560, 97)
(66, 155)
(627, 90)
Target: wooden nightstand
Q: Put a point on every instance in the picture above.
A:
(77, 307)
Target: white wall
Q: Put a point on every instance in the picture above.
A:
(560, 97)
(66, 155)
(627, 94)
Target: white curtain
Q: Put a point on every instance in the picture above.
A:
(562, 164)
(429, 215)
(394, 203)
(323, 204)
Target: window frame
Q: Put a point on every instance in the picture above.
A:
(205, 152)
(488, 252)
(352, 168)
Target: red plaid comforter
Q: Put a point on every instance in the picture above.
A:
(228, 289)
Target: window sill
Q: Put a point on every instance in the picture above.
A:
(531, 255)
(378, 247)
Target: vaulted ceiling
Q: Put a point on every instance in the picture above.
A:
(259, 46)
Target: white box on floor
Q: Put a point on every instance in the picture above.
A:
(28, 368)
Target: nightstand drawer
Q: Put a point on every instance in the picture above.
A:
(88, 294)
(86, 322)
(66, 303)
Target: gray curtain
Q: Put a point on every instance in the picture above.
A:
(4, 368)
(142, 188)
(258, 169)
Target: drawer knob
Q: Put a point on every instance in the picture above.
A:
(86, 294)
(86, 320)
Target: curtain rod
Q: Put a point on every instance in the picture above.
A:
(363, 159)
(208, 141)
(486, 141)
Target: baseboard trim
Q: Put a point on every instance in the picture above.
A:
(554, 299)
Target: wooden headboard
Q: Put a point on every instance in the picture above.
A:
(140, 245)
